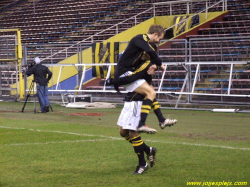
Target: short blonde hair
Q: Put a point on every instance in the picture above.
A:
(156, 29)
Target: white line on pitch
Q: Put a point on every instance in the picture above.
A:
(115, 138)
(61, 132)
(202, 145)
(45, 143)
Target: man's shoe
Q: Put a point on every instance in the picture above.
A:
(167, 122)
(116, 87)
(140, 169)
(146, 129)
(109, 82)
(47, 108)
(151, 156)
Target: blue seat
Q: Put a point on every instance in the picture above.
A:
(174, 79)
(170, 88)
(203, 89)
(235, 71)
(202, 71)
(218, 80)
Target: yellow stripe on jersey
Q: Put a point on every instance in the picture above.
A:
(137, 58)
(144, 65)
(145, 37)
(151, 46)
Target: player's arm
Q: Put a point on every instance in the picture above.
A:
(145, 46)
(152, 69)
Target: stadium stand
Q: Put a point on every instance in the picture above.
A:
(68, 22)
(54, 22)
(72, 21)
(218, 48)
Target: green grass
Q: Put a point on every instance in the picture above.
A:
(55, 149)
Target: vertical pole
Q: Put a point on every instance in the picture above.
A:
(79, 67)
(206, 10)
(24, 62)
(185, 51)
(230, 79)
(19, 64)
(83, 77)
(182, 89)
(195, 78)
(162, 78)
(18, 86)
(59, 76)
(154, 9)
(190, 50)
(189, 72)
(189, 82)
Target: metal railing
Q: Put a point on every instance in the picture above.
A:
(159, 90)
(30, 51)
(219, 49)
(187, 51)
(223, 2)
(151, 10)
(191, 72)
(188, 2)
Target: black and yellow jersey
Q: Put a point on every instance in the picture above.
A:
(131, 58)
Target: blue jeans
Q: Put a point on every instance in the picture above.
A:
(43, 96)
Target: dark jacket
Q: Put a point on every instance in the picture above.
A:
(40, 74)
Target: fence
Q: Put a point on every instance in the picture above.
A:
(185, 80)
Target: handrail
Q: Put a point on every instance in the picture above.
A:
(115, 26)
(19, 9)
(91, 37)
(221, 1)
(134, 17)
(191, 92)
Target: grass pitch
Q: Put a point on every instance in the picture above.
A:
(57, 150)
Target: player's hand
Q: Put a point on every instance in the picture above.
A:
(151, 70)
(163, 67)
